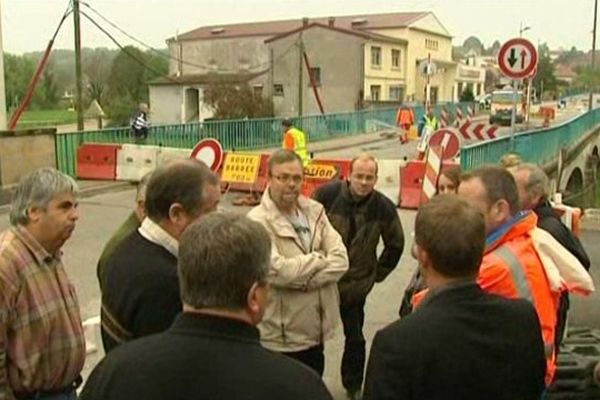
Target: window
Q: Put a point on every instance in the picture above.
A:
(258, 90)
(375, 92)
(376, 56)
(396, 58)
(315, 73)
(277, 89)
(396, 93)
(431, 44)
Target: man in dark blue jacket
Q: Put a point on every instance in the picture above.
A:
(460, 343)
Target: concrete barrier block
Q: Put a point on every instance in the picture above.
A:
(134, 161)
(166, 154)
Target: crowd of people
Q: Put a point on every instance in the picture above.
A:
(200, 303)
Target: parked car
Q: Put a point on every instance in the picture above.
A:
(485, 101)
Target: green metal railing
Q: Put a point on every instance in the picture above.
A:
(535, 146)
(241, 134)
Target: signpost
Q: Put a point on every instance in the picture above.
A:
(210, 152)
(517, 60)
(427, 69)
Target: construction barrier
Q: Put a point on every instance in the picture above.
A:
(166, 154)
(134, 161)
(97, 161)
(570, 216)
(322, 171)
(411, 182)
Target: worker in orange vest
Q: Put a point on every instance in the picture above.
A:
(511, 265)
(295, 140)
(405, 119)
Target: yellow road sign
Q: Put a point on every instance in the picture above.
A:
(240, 168)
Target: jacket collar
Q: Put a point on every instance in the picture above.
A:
(310, 208)
(458, 289)
(349, 197)
(518, 225)
(41, 255)
(197, 324)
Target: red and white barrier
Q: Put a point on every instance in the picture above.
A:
(432, 171)
(459, 117)
(444, 117)
(477, 131)
(470, 113)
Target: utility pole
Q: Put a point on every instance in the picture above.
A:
(2, 87)
(78, 77)
(300, 73)
(591, 99)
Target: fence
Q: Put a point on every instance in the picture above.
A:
(241, 134)
(535, 146)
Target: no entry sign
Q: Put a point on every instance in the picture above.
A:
(517, 58)
(210, 152)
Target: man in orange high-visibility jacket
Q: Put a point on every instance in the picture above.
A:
(295, 140)
(405, 119)
(511, 266)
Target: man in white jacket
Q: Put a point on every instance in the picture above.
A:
(308, 258)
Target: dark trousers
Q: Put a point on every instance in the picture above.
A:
(313, 358)
(353, 360)
(561, 320)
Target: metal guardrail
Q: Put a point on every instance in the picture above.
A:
(536, 146)
(240, 134)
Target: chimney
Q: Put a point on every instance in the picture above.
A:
(331, 22)
(304, 22)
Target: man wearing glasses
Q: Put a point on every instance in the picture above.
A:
(308, 257)
(362, 215)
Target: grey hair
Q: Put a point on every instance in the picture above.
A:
(37, 190)
(538, 182)
(221, 255)
(141, 187)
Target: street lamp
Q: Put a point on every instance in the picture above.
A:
(523, 29)
(591, 98)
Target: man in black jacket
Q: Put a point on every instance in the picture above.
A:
(212, 350)
(460, 343)
(140, 291)
(532, 183)
(361, 215)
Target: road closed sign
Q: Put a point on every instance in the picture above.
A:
(240, 168)
(518, 58)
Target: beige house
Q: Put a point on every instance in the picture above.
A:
(359, 58)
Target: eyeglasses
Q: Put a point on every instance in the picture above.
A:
(285, 178)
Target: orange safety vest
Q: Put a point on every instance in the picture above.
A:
(295, 140)
(511, 268)
(405, 116)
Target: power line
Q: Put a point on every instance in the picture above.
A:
(180, 60)
(133, 57)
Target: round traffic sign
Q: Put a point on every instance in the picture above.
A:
(448, 139)
(210, 152)
(517, 58)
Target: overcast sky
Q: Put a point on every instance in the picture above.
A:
(27, 25)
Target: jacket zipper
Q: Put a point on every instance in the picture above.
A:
(281, 318)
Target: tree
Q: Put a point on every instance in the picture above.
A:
(96, 68)
(467, 95)
(18, 71)
(544, 80)
(230, 101)
(494, 49)
(473, 43)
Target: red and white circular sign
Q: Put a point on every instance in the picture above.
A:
(448, 139)
(210, 152)
(518, 58)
